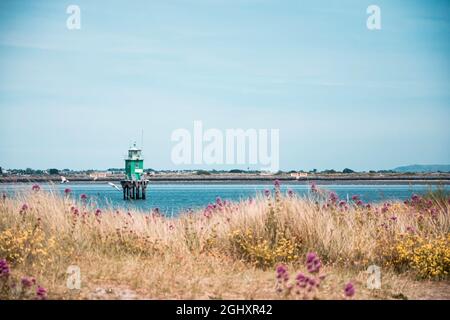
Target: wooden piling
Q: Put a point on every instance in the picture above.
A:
(134, 190)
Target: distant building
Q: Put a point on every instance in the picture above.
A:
(298, 175)
(96, 175)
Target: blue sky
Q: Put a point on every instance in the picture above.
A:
(341, 95)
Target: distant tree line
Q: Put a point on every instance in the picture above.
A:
(54, 171)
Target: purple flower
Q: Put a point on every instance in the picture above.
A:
(359, 203)
(83, 197)
(28, 282)
(267, 193)
(98, 212)
(208, 211)
(313, 263)
(349, 290)
(4, 269)
(282, 273)
(24, 208)
(355, 197)
(281, 269)
(35, 187)
(312, 282)
(303, 282)
(300, 277)
(310, 257)
(67, 191)
(41, 293)
(333, 197)
(411, 229)
(342, 203)
(276, 183)
(290, 193)
(313, 188)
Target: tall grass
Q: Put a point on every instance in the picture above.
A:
(41, 233)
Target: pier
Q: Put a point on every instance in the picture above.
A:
(134, 190)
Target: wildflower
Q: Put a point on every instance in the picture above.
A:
(4, 196)
(313, 263)
(219, 201)
(313, 188)
(267, 193)
(4, 269)
(394, 218)
(41, 293)
(35, 187)
(368, 206)
(342, 203)
(349, 290)
(24, 208)
(312, 282)
(208, 212)
(290, 193)
(359, 203)
(171, 227)
(355, 197)
(282, 273)
(98, 212)
(276, 183)
(411, 229)
(281, 269)
(300, 277)
(302, 280)
(28, 282)
(415, 198)
(333, 197)
(83, 197)
(67, 191)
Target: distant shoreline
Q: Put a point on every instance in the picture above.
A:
(434, 179)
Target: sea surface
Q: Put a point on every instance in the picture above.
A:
(174, 198)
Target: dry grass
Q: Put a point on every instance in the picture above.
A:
(228, 251)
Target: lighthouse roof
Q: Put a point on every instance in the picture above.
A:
(134, 148)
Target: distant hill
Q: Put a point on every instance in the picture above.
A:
(424, 168)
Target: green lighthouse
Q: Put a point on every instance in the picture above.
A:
(135, 185)
(134, 164)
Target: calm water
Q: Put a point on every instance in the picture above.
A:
(172, 198)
